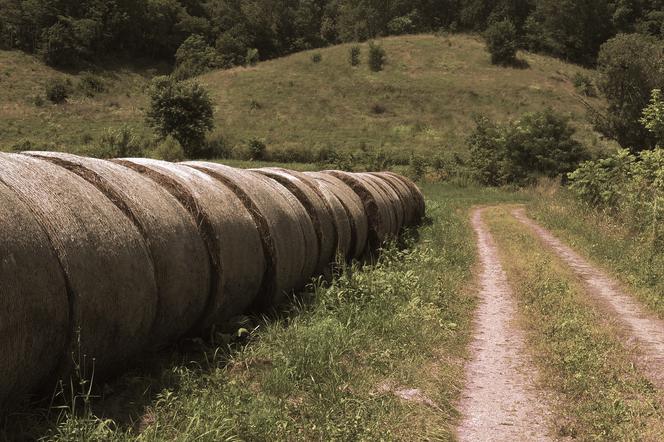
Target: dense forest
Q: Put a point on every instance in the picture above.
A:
(231, 32)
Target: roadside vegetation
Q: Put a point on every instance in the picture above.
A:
(598, 394)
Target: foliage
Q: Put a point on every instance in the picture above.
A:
(257, 149)
(182, 109)
(119, 143)
(58, 91)
(90, 84)
(537, 144)
(377, 57)
(194, 57)
(317, 57)
(584, 85)
(354, 54)
(169, 150)
(629, 67)
(653, 117)
(501, 41)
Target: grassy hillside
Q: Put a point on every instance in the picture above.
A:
(423, 100)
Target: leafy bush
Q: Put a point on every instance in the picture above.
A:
(169, 150)
(257, 149)
(377, 57)
(417, 168)
(537, 144)
(252, 57)
(354, 54)
(584, 85)
(378, 109)
(402, 25)
(68, 41)
(119, 143)
(316, 57)
(195, 57)
(501, 41)
(182, 109)
(90, 84)
(58, 91)
(653, 117)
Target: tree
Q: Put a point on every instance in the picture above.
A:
(629, 67)
(182, 109)
(376, 57)
(653, 117)
(501, 41)
(195, 57)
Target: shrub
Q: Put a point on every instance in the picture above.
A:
(653, 117)
(417, 168)
(216, 146)
(486, 152)
(195, 57)
(584, 85)
(376, 57)
(316, 57)
(90, 84)
(501, 41)
(169, 150)
(182, 109)
(58, 91)
(232, 50)
(252, 57)
(378, 109)
(121, 142)
(257, 149)
(401, 25)
(354, 54)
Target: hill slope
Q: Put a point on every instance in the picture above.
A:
(423, 100)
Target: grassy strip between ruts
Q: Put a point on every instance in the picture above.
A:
(631, 258)
(599, 395)
(376, 355)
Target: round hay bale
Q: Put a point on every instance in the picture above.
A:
(287, 233)
(397, 208)
(377, 208)
(341, 220)
(408, 204)
(310, 196)
(34, 303)
(353, 208)
(416, 194)
(109, 273)
(181, 264)
(228, 231)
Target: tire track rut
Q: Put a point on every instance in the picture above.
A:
(641, 329)
(500, 401)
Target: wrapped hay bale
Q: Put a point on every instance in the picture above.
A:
(227, 228)
(181, 264)
(318, 208)
(353, 208)
(34, 304)
(287, 233)
(408, 203)
(110, 277)
(397, 209)
(380, 215)
(416, 194)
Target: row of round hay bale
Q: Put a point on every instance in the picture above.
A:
(318, 208)
(112, 293)
(179, 256)
(289, 237)
(228, 230)
(34, 305)
(414, 195)
(348, 214)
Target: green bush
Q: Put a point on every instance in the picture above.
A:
(195, 57)
(537, 144)
(182, 109)
(653, 117)
(121, 142)
(501, 42)
(316, 58)
(58, 90)
(257, 149)
(584, 85)
(90, 84)
(252, 57)
(377, 57)
(354, 54)
(169, 150)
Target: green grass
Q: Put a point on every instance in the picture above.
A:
(598, 393)
(328, 367)
(430, 88)
(625, 254)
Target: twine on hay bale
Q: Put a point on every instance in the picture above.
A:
(228, 230)
(416, 195)
(318, 208)
(34, 304)
(288, 235)
(109, 273)
(408, 203)
(353, 208)
(178, 253)
(394, 204)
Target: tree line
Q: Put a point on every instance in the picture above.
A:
(69, 32)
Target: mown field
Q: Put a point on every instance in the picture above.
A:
(423, 101)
